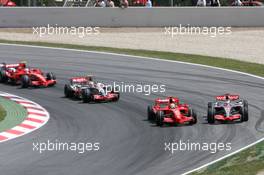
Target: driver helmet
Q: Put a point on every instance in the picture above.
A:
(99, 85)
(27, 70)
(22, 65)
(89, 78)
(171, 100)
(91, 83)
(227, 98)
(172, 106)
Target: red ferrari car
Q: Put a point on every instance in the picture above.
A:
(20, 74)
(227, 108)
(170, 111)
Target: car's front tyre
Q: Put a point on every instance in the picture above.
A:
(67, 91)
(160, 118)
(211, 113)
(86, 95)
(25, 81)
(150, 113)
(245, 111)
(3, 77)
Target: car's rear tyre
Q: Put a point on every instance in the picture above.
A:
(211, 113)
(160, 118)
(25, 81)
(3, 66)
(3, 77)
(51, 76)
(86, 96)
(67, 91)
(245, 111)
(194, 116)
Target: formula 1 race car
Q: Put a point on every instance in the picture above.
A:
(19, 74)
(227, 108)
(88, 91)
(170, 111)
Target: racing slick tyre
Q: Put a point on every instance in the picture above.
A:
(51, 76)
(3, 77)
(193, 114)
(3, 66)
(25, 81)
(160, 118)
(210, 113)
(245, 111)
(117, 98)
(150, 114)
(67, 91)
(86, 95)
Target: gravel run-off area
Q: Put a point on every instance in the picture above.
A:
(245, 44)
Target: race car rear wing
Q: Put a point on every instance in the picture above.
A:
(9, 65)
(227, 97)
(81, 79)
(167, 100)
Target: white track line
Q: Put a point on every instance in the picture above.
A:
(163, 60)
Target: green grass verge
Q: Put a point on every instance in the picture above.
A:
(247, 162)
(253, 68)
(2, 113)
(14, 114)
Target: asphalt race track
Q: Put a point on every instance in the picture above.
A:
(130, 145)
